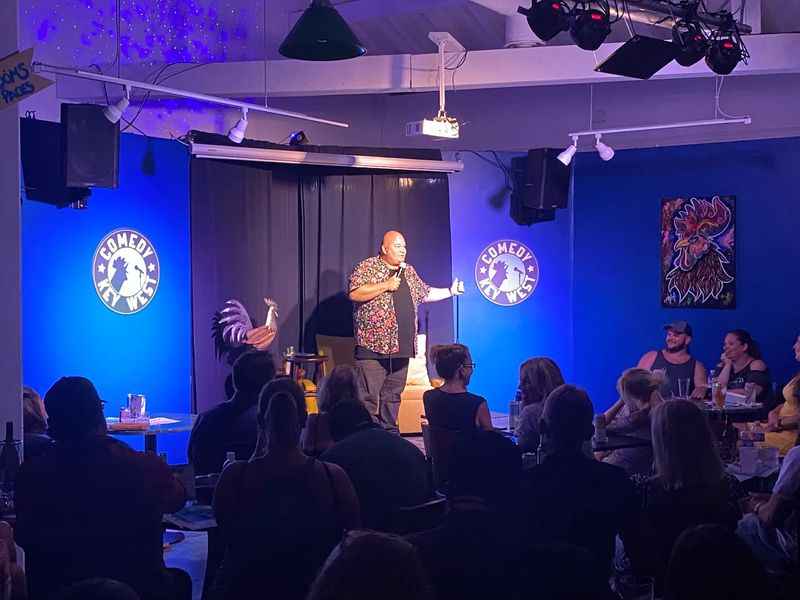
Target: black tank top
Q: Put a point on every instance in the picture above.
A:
(674, 372)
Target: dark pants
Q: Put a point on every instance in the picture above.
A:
(382, 381)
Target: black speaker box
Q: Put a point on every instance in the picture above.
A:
(540, 186)
(42, 154)
(91, 147)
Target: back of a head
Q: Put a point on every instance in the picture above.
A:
(487, 465)
(568, 416)
(710, 562)
(282, 412)
(683, 446)
(538, 377)
(340, 386)
(74, 409)
(641, 384)
(33, 412)
(448, 358)
(346, 418)
(368, 565)
(98, 589)
(251, 372)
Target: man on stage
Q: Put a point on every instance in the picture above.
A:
(386, 293)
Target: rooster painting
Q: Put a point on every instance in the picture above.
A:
(697, 252)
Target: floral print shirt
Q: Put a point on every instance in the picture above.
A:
(375, 321)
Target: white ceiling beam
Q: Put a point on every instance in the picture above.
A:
(518, 67)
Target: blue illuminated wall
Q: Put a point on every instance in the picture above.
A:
(501, 337)
(618, 315)
(66, 328)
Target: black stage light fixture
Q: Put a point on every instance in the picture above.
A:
(321, 34)
(298, 138)
(724, 54)
(691, 42)
(589, 27)
(546, 18)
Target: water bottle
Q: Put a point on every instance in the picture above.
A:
(600, 434)
(513, 411)
(230, 457)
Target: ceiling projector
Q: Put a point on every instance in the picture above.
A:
(439, 126)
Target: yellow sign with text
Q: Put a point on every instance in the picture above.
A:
(17, 79)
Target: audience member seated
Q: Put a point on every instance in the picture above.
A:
(571, 498)
(741, 364)
(638, 394)
(537, 378)
(710, 563)
(34, 420)
(99, 589)
(451, 406)
(231, 426)
(689, 488)
(340, 386)
(92, 507)
(474, 553)
(387, 471)
(782, 422)
(280, 513)
(767, 529)
(676, 363)
(368, 565)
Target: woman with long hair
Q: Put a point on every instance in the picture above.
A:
(538, 377)
(639, 393)
(341, 385)
(741, 364)
(782, 421)
(281, 512)
(689, 487)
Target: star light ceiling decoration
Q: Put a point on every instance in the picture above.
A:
(152, 31)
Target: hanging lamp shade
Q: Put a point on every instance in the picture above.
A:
(321, 34)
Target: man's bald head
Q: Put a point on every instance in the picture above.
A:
(393, 248)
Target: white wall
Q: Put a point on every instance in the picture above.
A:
(10, 363)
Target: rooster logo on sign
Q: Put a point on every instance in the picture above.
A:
(699, 264)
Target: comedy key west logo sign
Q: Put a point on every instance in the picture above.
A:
(507, 272)
(126, 271)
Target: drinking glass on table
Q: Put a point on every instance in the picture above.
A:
(683, 388)
(749, 393)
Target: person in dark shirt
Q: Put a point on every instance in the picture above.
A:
(475, 553)
(387, 471)
(675, 361)
(92, 506)
(451, 406)
(231, 426)
(571, 498)
(741, 364)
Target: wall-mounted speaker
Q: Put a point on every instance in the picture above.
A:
(91, 146)
(540, 186)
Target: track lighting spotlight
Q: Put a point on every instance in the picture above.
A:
(605, 151)
(546, 18)
(113, 112)
(726, 49)
(566, 156)
(298, 138)
(236, 134)
(321, 34)
(691, 42)
(589, 27)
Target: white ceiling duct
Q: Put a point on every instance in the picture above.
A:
(518, 33)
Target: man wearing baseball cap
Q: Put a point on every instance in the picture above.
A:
(676, 362)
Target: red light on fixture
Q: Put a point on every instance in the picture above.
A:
(556, 6)
(596, 16)
(727, 44)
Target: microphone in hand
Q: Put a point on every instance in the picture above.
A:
(401, 270)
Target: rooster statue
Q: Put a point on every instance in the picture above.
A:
(699, 267)
(234, 332)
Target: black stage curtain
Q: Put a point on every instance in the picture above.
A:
(294, 234)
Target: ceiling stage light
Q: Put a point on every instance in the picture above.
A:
(321, 34)
(546, 18)
(298, 138)
(691, 42)
(605, 151)
(589, 27)
(724, 54)
(566, 156)
(236, 134)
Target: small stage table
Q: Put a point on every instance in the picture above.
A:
(160, 424)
